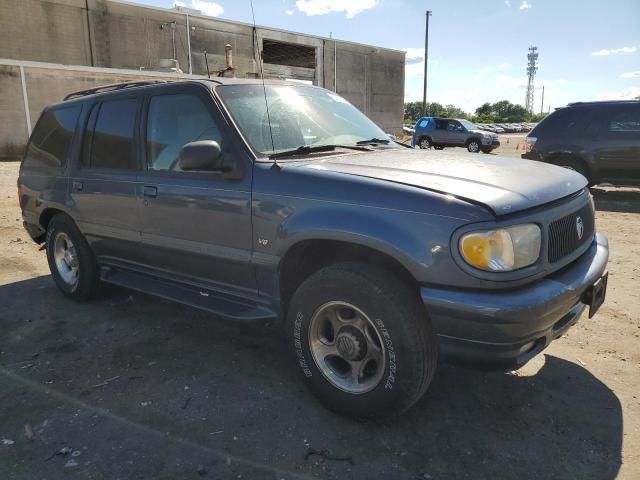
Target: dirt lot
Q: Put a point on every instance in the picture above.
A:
(140, 389)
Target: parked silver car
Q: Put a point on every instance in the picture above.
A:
(448, 132)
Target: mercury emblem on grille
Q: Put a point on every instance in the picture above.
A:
(579, 227)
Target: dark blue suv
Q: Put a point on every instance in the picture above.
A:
(381, 262)
(447, 132)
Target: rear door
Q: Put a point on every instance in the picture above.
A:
(618, 151)
(103, 184)
(440, 135)
(196, 226)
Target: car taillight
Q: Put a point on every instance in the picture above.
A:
(530, 143)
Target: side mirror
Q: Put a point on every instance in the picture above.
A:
(204, 155)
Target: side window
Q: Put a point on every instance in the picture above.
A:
(108, 142)
(441, 124)
(454, 126)
(625, 119)
(172, 122)
(51, 139)
(423, 123)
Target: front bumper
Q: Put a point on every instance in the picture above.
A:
(504, 330)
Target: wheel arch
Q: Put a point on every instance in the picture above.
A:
(557, 158)
(308, 256)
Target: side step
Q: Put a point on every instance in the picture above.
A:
(220, 304)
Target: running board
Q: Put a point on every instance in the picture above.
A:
(222, 305)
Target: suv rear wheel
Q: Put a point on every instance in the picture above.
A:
(71, 261)
(424, 143)
(362, 340)
(572, 164)
(474, 145)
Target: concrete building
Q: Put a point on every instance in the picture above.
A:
(107, 41)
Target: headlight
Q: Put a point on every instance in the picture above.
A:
(502, 250)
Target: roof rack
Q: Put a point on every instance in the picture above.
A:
(598, 102)
(113, 87)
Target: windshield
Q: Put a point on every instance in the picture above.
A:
(300, 116)
(468, 125)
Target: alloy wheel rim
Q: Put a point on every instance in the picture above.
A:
(473, 146)
(347, 347)
(66, 259)
(424, 144)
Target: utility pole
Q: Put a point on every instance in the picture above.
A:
(542, 104)
(189, 44)
(426, 59)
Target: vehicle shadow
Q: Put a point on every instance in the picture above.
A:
(132, 370)
(612, 199)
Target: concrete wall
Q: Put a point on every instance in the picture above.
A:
(118, 35)
(45, 84)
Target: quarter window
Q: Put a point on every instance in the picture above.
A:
(110, 141)
(173, 121)
(51, 140)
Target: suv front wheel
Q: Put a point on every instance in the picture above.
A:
(71, 261)
(362, 340)
(474, 145)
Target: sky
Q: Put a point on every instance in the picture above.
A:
(588, 49)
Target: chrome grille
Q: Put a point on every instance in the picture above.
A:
(563, 233)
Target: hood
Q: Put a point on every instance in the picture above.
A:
(504, 185)
(483, 132)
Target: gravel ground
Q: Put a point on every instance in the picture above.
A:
(139, 388)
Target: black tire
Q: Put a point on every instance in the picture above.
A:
(87, 285)
(410, 345)
(439, 147)
(424, 143)
(474, 145)
(573, 164)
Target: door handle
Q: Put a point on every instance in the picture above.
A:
(150, 191)
(76, 186)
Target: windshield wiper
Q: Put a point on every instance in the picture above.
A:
(403, 144)
(308, 149)
(374, 141)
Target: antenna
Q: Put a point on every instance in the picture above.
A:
(264, 87)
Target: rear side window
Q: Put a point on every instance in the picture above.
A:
(560, 121)
(51, 140)
(625, 119)
(423, 123)
(108, 142)
(441, 124)
(172, 122)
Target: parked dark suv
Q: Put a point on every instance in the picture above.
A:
(600, 140)
(382, 260)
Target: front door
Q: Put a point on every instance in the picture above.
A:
(196, 226)
(103, 184)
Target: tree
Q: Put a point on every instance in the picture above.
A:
(484, 109)
(413, 111)
(501, 112)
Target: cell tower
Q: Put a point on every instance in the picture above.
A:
(532, 68)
